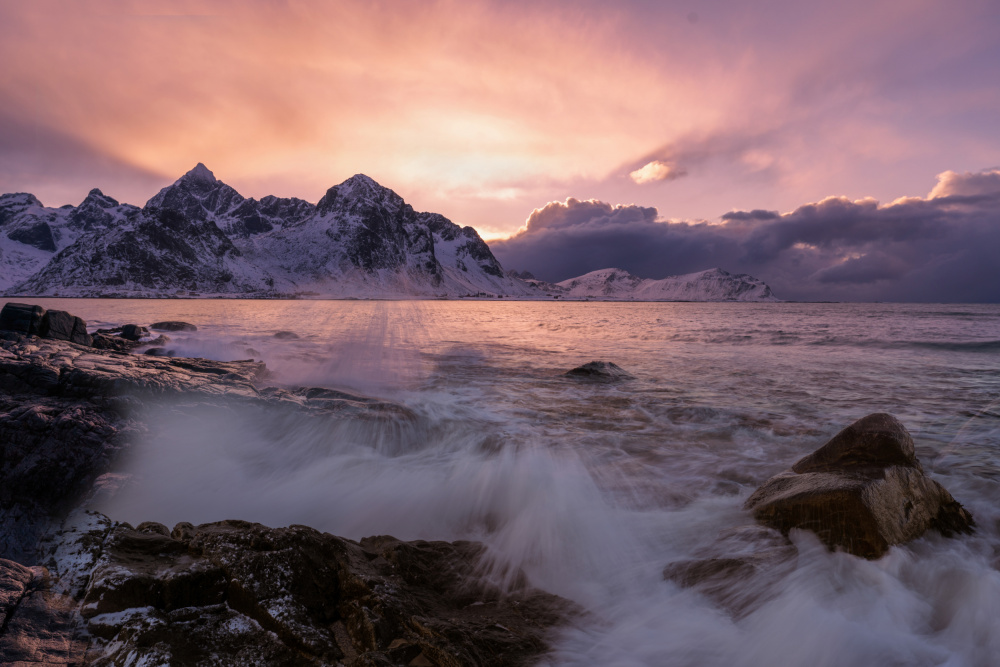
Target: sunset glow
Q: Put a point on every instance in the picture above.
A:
(485, 111)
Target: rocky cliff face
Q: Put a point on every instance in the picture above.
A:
(200, 237)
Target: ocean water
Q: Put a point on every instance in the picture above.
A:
(592, 489)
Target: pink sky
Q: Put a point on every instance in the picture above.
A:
(485, 111)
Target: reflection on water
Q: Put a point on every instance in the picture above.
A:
(593, 488)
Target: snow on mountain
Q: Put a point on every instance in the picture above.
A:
(710, 285)
(199, 236)
(160, 253)
(31, 234)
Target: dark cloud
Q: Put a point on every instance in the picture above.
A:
(940, 248)
(756, 214)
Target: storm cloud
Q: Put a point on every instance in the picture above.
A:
(939, 248)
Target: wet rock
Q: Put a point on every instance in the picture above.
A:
(864, 491)
(160, 352)
(133, 332)
(37, 626)
(740, 571)
(230, 592)
(60, 325)
(602, 371)
(240, 592)
(172, 326)
(22, 318)
(286, 335)
(115, 343)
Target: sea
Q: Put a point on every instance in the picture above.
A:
(592, 489)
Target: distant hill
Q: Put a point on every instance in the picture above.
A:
(619, 285)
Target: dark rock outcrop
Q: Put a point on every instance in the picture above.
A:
(22, 318)
(863, 492)
(60, 325)
(286, 335)
(247, 594)
(601, 371)
(172, 326)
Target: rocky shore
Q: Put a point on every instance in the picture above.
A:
(78, 588)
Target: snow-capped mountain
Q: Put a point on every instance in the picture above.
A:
(31, 234)
(619, 285)
(199, 236)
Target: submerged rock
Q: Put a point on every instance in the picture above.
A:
(863, 491)
(604, 371)
(286, 335)
(172, 325)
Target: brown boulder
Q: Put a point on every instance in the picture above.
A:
(863, 491)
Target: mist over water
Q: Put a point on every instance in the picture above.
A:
(591, 489)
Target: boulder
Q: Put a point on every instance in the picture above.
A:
(133, 332)
(22, 318)
(60, 325)
(286, 335)
(172, 326)
(601, 371)
(863, 491)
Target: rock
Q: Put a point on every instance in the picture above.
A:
(172, 326)
(60, 325)
(159, 352)
(863, 491)
(22, 318)
(229, 592)
(37, 626)
(322, 599)
(602, 371)
(133, 332)
(115, 343)
(286, 335)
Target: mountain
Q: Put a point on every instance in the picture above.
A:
(201, 237)
(30, 234)
(619, 285)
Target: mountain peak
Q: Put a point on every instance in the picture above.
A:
(360, 183)
(200, 173)
(97, 197)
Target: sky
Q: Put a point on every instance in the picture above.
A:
(842, 125)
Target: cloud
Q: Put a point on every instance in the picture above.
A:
(657, 170)
(938, 248)
(587, 213)
(967, 183)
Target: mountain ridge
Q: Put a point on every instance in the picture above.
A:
(199, 237)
